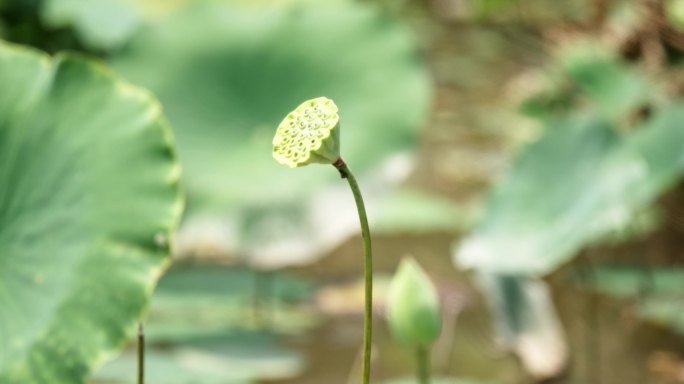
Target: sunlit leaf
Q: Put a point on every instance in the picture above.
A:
(89, 197)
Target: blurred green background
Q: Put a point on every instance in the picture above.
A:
(529, 154)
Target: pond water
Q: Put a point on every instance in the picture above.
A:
(305, 326)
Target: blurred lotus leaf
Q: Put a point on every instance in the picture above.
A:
(580, 180)
(614, 87)
(656, 292)
(88, 201)
(103, 24)
(588, 71)
(625, 281)
(227, 73)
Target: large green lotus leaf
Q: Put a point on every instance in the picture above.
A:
(89, 197)
(228, 72)
(579, 181)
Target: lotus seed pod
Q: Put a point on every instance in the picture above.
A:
(413, 306)
(309, 134)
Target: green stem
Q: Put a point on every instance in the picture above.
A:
(346, 173)
(141, 354)
(423, 362)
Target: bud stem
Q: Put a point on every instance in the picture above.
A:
(346, 173)
(423, 363)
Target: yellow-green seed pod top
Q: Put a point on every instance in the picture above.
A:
(309, 134)
(413, 306)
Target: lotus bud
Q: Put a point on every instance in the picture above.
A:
(309, 134)
(413, 306)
